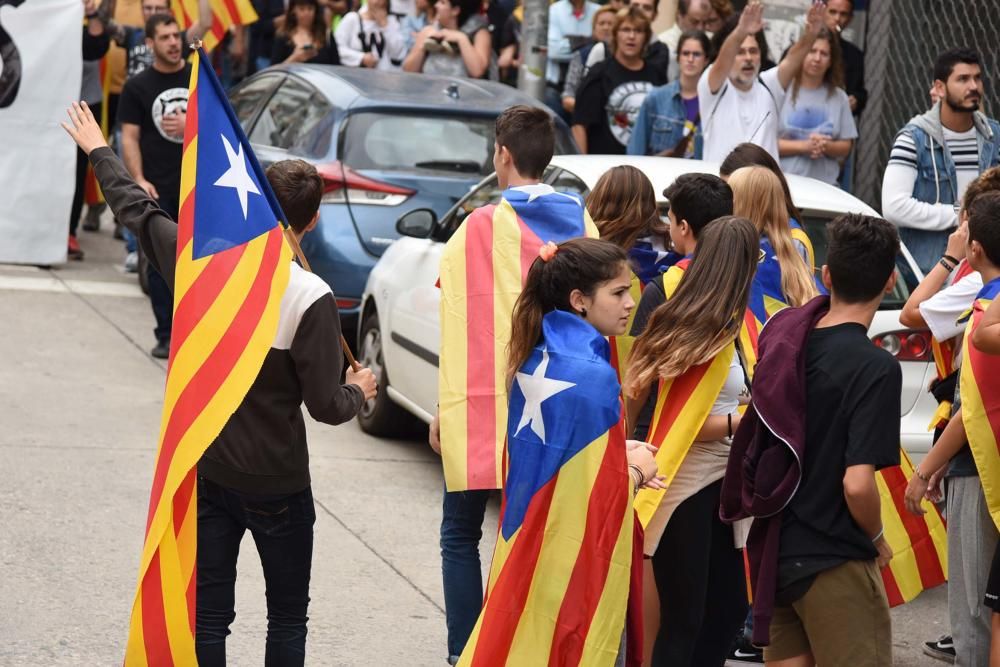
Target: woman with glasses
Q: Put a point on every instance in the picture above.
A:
(669, 120)
(613, 91)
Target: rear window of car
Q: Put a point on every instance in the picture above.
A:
(412, 142)
(906, 280)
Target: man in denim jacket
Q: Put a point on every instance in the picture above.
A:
(936, 155)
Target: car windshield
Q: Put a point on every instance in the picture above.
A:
(906, 281)
(489, 193)
(454, 144)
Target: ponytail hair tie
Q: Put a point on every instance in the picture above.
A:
(548, 251)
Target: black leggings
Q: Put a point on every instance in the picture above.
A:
(700, 578)
(81, 180)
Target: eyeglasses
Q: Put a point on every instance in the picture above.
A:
(692, 54)
(643, 8)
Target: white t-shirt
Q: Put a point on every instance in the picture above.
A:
(821, 111)
(732, 116)
(941, 311)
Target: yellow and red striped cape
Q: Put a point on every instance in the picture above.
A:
(682, 405)
(225, 13)
(566, 566)
(483, 268)
(226, 309)
(979, 384)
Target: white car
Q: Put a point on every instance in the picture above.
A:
(399, 328)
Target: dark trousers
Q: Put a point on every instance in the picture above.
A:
(461, 531)
(702, 586)
(282, 529)
(160, 296)
(81, 179)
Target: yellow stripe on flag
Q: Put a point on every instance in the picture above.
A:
(453, 362)
(979, 389)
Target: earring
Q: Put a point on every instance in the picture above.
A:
(583, 313)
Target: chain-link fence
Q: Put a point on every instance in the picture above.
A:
(903, 39)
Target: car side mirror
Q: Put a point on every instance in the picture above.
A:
(418, 223)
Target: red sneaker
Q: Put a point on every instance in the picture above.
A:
(73, 250)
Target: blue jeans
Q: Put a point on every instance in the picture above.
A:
(461, 531)
(282, 529)
(926, 247)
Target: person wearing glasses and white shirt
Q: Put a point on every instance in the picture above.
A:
(738, 103)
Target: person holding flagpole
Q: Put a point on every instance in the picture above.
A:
(255, 339)
(483, 267)
(565, 585)
(689, 349)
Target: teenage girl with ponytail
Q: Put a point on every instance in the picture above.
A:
(689, 350)
(783, 277)
(571, 474)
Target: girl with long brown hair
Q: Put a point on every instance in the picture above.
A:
(623, 206)
(303, 37)
(817, 126)
(569, 470)
(784, 277)
(689, 350)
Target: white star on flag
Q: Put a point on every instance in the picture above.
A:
(237, 176)
(536, 389)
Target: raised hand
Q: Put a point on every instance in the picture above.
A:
(84, 128)
(815, 18)
(752, 18)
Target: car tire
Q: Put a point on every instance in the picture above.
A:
(380, 416)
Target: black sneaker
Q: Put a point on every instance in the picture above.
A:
(744, 651)
(162, 349)
(942, 649)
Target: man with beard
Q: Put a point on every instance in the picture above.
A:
(936, 155)
(152, 112)
(739, 104)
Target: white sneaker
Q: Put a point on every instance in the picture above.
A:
(132, 262)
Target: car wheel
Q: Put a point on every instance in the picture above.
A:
(380, 416)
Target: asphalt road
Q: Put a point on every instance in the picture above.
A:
(80, 402)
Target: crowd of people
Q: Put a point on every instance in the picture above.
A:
(669, 312)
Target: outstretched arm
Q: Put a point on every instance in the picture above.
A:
(790, 65)
(751, 22)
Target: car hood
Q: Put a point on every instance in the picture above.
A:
(376, 225)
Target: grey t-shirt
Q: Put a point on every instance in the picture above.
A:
(816, 110)
(452, 64)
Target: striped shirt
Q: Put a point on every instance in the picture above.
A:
(962, 146)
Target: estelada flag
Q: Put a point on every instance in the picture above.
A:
(682, 405)
(483, 268)
(225, 14)
(979, 385)
(562, 572)
(232, 270)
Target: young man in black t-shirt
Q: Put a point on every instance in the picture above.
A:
(831, 606)
(152, 112)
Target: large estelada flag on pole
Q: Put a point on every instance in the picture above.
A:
(562, 571)
(225, 13)
(978, 384)
(232, 270)
(483, 268)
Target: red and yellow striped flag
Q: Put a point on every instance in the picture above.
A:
(566, 561)
(979, 384)
(483, 268)
(919, 543)
(232, 269)
(621, 346)
(225, 13)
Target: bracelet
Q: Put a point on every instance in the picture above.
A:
(642, 478)
(953, 260)
(948, 267)
(880, 533)
(729, 420)
(916, 471)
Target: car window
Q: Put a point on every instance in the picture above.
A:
(906, 279)
(248, 97)
(375, 140)
(489, 192)
(291, 113)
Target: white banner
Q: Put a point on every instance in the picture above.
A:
(40, 53)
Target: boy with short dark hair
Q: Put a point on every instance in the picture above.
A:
(821, 394)
(255, 475)
(483, 268)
